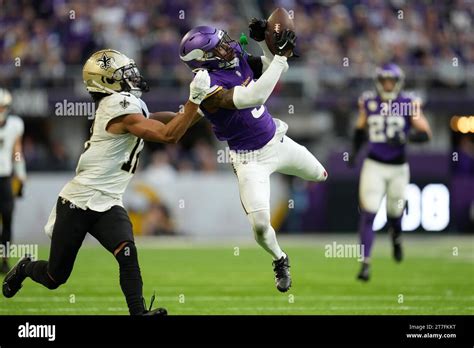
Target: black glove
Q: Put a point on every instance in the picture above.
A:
(257, 29)
(285, 42)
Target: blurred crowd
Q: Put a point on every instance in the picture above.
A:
(44, 43)
(49, 35)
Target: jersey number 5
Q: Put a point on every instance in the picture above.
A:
(257, 113)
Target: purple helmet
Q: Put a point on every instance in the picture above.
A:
(209, 48)
(389, 71)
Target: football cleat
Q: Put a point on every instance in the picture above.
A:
(4, 268)
(281, 268)
(364, 273)
(158, 311)
(397, 252)
(14, 278)
(397, 246)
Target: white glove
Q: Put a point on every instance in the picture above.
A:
(199, 87)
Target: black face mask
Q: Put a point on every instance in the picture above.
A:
(130, 78)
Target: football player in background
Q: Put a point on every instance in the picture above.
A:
(392, 118)
(92, 200)
(235, 106)
(12, 164)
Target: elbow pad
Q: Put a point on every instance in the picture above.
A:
(257, 93)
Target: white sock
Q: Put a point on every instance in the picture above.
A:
(265, 234)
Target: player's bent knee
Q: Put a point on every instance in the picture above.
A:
(53, 284)
(260, 221)
(127, 255)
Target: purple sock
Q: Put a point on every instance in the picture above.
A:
(366, 232)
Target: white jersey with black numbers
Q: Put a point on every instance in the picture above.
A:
(9, 133)
(109, 160)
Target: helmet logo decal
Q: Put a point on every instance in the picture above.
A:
(105, 62)
(124, 103)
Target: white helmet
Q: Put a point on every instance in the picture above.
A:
(5, 102)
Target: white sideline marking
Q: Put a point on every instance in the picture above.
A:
(79, 299)
(289, 308)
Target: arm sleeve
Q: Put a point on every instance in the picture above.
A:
(418, 137)
(257, 93)
(267, 55)
(359, 138)
(256, 65)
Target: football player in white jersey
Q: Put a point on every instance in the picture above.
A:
(92, 201)
(12, 164)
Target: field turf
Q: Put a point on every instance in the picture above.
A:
(192, 278)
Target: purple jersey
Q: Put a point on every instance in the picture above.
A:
(388, 120)
(244, 129)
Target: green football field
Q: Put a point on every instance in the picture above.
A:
(436, 277)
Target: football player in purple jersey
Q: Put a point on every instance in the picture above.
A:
(235, 106)
(392, 118)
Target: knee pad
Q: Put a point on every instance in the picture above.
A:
(260, 221)
(127, 255)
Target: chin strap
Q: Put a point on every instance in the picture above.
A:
(105, 89)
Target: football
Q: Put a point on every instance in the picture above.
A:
(279, 21)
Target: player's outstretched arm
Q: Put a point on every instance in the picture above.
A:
(156, 131)
(256, 93)
(257, 29)
(166, 116)
(420, 124)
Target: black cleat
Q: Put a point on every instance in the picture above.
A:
(397, 248)
(157, 311)
(281, 268)
(14, 278)
(398, 252)
(4, 268)
(364, 273)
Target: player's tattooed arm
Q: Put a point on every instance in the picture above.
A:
(420, 124)
(224, 99)
(252, 95)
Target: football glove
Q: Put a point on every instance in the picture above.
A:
(285, 42)
(257, 29)
(199, 87)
